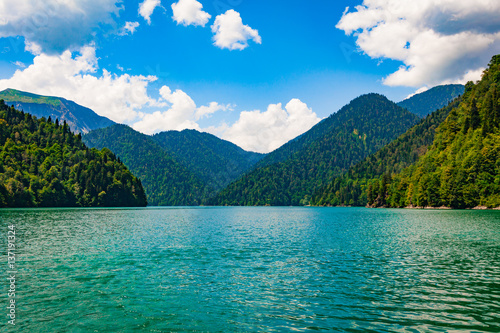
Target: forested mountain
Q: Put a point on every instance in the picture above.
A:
(435, 98)
(177, 168)
(80, 119)
(462, 167)
(215, 161)
(351, 189)
(357, 130)
(43, 164)
(166, 181)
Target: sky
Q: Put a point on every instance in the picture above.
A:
(256, 73)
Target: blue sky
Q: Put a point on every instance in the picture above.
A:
(294, 63)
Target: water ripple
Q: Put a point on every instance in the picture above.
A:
(256, 269)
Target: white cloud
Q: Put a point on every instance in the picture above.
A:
(19, 64)
(147, 8)
(53, 26)
(230, 32)
(73, 76)
(182, 113)
(265, 131)
(130, 28)
(254, 130)
(207, 111)
(189, 12)
(124, 98)
(439, 41)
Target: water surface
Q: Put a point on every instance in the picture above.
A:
(255, 269)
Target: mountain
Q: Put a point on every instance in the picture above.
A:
(351, 189)
(290, 174)
(43, 164)
(216, 162)
(80, 119)
(462, 167)
(436, 98)
(166, 181)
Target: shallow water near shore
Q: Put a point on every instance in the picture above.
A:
(269, 269)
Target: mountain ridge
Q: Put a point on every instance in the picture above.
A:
(438, 97)
(328, 149)
(79, 118)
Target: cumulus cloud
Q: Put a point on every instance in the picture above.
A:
(130, 28)
(230, 32)
(189, 12)
(73, 76)
(182, 113)
(254, 130)
(439, 41)
(265, 131)
(53, 26)
(147, 8)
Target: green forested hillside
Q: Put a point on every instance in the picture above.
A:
(462, 167)
(327, 150)
(166, 181)
(43, 164)
(435, 98)
(215, 161)
(80, 119)
(351, 189)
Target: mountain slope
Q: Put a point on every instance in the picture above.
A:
(462, 167)
(216, 162)
(360, 128)
(80, 119)
(43, 164)
(166, 181)
(435, 98)
(351, 189)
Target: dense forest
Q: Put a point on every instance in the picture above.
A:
(43, 164)
(461, 169)
(433, 99)
(177, 168)
(351, 189)
(166, 181)
(215, 161)
(304, 165)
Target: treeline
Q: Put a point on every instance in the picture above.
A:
(43, 164)
(461, 169)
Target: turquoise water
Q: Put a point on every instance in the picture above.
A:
(254, 270)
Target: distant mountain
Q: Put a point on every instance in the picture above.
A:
(433, 99)
(176, 168)
(217, 162)
(351, 189)
(43, 164)
(80, 119)
(291, 173)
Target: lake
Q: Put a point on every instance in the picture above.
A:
(253, 270)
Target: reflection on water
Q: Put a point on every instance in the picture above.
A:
(256, 269)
